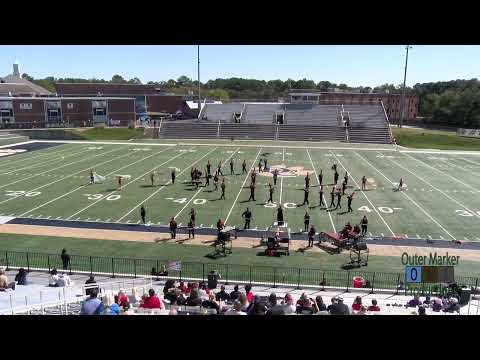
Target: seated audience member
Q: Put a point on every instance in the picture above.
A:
(374, 306)
(109, 306)
(53, 278)
(272, 300)
(90, 281)
(339, 308)
(452, 306)
(222, 295)
(169, 284)
(92, 305)
(235, 293)
(244, 301)
(249, 293)
(357, 304)
(236, 309)
(422, 310)
(333, 301)
(356, 229)
(414, 302)
(427, 301)
(182, 287)
(211, 303)
(274, 307)
(304, 305)
(64, 280)
(193, 299)
(437, 305)
(256, 300)
(21, 277)
(4, 284)
(202, 291)
(289, 305)
(152, 301)
(318, 305)
(173, 311)
(122, 298)
(259, 308)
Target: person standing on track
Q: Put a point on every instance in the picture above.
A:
(364, 224)
(364, 183)
(270, 191)
(339, 199)
(223, 189)
(247, 215)
(275, 175)
(320, 178)
(231, 167)
(219, 168)
(142, 214)
(311, 236)
(306, 220)
(173, 176)
(252, 192)
(350, 198)
(279, 215)
(191, 229)
(173, 228)
(332, 197)
(305, 196)
(321, 196)
(244, 167)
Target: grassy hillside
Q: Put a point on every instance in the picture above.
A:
(109, 133)
(434, 139)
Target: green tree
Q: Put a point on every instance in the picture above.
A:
(218, 94)
(117, 79)
(27, 77)
(135, 80)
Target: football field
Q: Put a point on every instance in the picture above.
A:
(441, 198)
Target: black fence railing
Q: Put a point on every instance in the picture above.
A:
(230, 273)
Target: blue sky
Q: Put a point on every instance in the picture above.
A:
(358, 65)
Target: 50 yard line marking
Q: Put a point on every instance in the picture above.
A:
(241, 187)
(408, 197)
(198, 191)
(161, 188)
(83, 186)
(363, 193)
(318, 182)
(131, 182)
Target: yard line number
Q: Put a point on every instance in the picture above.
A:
(467, 213)
(185, 200)
(382, 209)
(101, 196)
(22, 193)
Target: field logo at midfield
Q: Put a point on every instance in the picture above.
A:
(284, 171)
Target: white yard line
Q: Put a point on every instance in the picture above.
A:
(83, 186)
(435, 188)
(58, 167)
(16, 144)
(161, 188)
(198, 191)
(13, 160)
(123, 187)
(441, 172)
(241, 187)
(281, 190)
(443, 152)
(43, 163)
(316, 178)
(468, 160)
(363, 193)
(408, 197)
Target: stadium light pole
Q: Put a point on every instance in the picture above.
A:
(402, 110)
(198, 77)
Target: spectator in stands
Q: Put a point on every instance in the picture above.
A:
(274, 307)
(339, 308)
(244, 301)
(249, 293)
(169, 284)
(53, 278)
(251, 305)
(414, 302)
(182, 287)
(422, 310)
(93, 305)
(4, 284)
(427, 301)
(64, 280)
(236, 309)
(357, 305)
(193, 299)
(173, 311)
(152, 301)
(259, 309)
(90, 281)
(213, 277)
(304, 305)
(318, 305)
(235, 293)
(374, 306)
(452, 306)
(21, 277)
(122, 298)
(437, 305)
(333, 300)
(288, 303)
(202, 291)
(211, 303)
(65, 259)
(222, 295)
(272, 300)
(110, 307)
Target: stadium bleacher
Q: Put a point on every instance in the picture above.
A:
(261, 113)
(220, 112)
(308, 114)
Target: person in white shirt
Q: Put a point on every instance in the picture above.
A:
(64, 281)
(202, 292)
(236, 309)
(53, 278)
(289, 307)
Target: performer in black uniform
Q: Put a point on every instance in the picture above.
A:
(364, 183)
(173, 176)
(311, 236)
(231, 167)
(219, 168)
(244, 167)
(252, 192)
(320, 177)
(223, 190)
(321, 196)
(247, 215)
(209, 167)
(305, 196)
(339, 199)
(350, 198)
(260, 166)
(92, 179)
(275, 174)
(364, 224)
(335, 177)
(215, 181)
(307, 181)
(279, 215)
(306, 220)
(270, 191)
(332, 197)
(265, 164)
(142, 214)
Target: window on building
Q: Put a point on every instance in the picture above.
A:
(25, 106)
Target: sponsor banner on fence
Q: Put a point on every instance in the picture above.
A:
(175, 265)
(468, 132)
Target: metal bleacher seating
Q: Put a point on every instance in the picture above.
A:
(368, 124)
(261, 113)
(220, 112)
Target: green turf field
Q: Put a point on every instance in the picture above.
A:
(433, 139)
(442, 199)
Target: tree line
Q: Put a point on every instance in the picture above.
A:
(454, 103)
